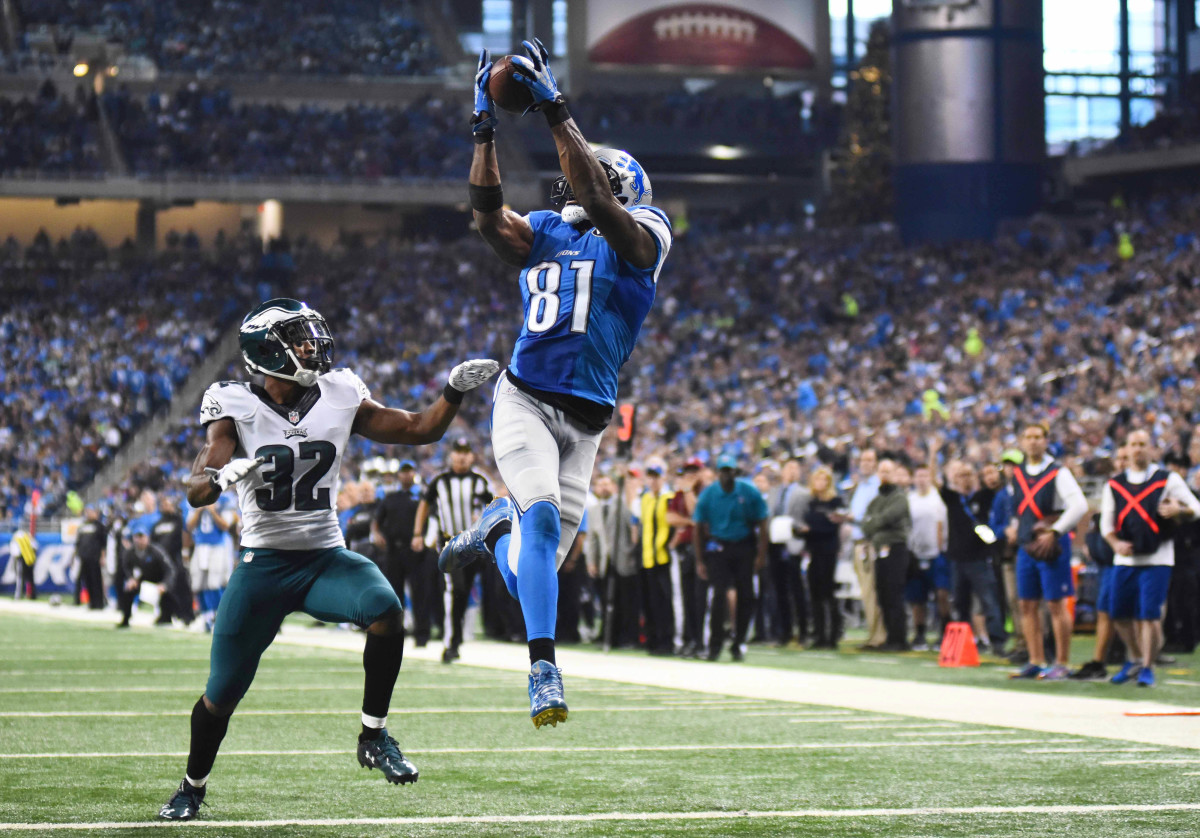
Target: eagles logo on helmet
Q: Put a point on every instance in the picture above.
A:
(629, 181)
(270, 333)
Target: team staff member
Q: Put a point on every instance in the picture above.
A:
(405, 558)
(865, 489)
(655, 522)
(1049, 503)
(927, 543)
(90, 541)
(730, 540)
(456, 497)
(1135, 516)
(886, 525)
(689, 603)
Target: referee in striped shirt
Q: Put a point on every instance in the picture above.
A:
(455, 497)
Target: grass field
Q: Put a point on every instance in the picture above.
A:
(94, 734)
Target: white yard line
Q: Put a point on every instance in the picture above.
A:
(961, 733)
(901, 727)
(835, 720)
(403, 711)
(555, 751)
(1090, 750)
(1042, 710)
(845, 713)
(1152, 762)
(793, 814)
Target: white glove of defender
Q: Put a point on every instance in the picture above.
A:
(234, 471)
(470, 374)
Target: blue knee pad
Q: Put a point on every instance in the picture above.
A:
(537, 577)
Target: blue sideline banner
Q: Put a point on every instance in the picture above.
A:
(52, 573)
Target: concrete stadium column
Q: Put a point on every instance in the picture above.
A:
(532, 18)
(968, 115)
(146, 226)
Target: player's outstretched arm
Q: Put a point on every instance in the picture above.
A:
(219, 444)
(628, 238)
(392, 426)
(507, 232)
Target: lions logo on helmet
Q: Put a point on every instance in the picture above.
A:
(629, 181)
(269, 333)
(635, 185)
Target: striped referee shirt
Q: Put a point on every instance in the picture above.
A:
(457, 499)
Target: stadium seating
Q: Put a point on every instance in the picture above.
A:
(310, 37)
(50, 132)
(88, 355)
(200, 131)
(752, 346)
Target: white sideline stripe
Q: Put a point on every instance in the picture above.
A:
(1183, 683)
(966, 733)
(1090, 750)
(901, 727)
(1153, 762)
(815, 814)
(1043, 710)
(774, 746)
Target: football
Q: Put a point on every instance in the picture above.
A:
(508, 93)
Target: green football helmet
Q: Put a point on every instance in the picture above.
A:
(270, 332)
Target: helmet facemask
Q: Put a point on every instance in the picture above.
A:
(561, 195)
(279, 346)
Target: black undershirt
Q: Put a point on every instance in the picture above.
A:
(592, 415)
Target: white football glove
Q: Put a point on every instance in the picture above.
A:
(234, 471)
(470, 374)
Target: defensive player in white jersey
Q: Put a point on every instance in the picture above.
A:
(588, 277)
(281, 445)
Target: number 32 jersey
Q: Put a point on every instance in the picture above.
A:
(584, 306)
(289, 503)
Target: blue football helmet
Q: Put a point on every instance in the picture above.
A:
(629, 181)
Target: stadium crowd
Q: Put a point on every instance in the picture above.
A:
(88, 355)
(314, 37)
(766, 343)
(50, 132)
(198, 130)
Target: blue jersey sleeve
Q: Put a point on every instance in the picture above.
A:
(541, 222)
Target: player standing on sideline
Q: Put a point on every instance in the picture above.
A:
(1136, 512)
(1048, 503)
(281, 444)
(588, 277)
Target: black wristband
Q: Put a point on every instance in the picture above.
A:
(486, 198)
(556, 113)
(484, 136)
(451, 395)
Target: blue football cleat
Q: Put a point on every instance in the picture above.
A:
(546, 702)
(1128, 672)
(1145, 677)
(470, 544)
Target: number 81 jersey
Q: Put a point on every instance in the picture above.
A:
(289, 503)
(584, 306)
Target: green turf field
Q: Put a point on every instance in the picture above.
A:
(94, 730)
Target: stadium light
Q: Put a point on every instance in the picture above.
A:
(725, 152)
(81, 70)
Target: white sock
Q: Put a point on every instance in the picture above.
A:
(377, 722)
(196, 784)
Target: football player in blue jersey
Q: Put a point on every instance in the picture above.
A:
(588, 277)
